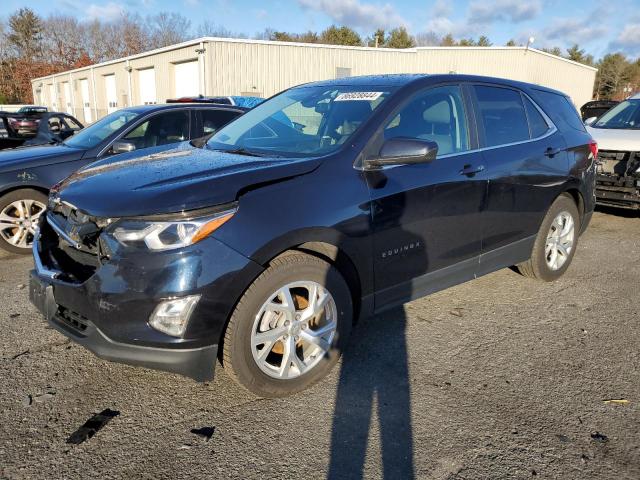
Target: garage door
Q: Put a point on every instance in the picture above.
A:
(112, 96)
(187, 79)
(86, 106)
(147, 86)
(52, 98)
(67, 97)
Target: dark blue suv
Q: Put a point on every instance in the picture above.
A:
(328, 202)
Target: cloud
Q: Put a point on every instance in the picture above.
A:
(440, 23)
(444, 25)
(108, 12)
(628, 40)
(356, 14)
(482, 12)
(572, 30)
(442, 8)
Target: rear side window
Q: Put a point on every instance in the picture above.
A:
(502, 115)
(537, 124)
(213, 120)
(560, 109)
(71, 123)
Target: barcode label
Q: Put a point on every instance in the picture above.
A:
(350, 96)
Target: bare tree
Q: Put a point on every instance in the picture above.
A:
(428, 39)
(210, 29)
(63, 40)
(167, 29)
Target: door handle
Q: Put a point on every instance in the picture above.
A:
(469, 170)
(552, 152)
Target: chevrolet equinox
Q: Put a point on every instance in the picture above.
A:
(326, 203)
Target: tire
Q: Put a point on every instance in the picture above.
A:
(296, 273)
(541, 266)
(25, 205)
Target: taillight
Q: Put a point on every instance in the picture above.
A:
(593, 146)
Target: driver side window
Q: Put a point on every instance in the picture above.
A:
(161, 129)
(436, 114)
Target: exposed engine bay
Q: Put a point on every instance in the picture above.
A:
(618, 179)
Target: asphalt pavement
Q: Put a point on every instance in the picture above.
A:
(502, 377)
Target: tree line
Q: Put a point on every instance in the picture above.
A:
(32, 46)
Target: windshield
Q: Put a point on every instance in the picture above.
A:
(625, 115)
(92, 135)
(304, 121)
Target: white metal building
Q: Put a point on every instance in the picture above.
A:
(224, 66)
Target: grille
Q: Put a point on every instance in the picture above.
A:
(76, 265)
(72, 319)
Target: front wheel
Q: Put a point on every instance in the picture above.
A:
(290, 326)
(20, 211)
(555, 243)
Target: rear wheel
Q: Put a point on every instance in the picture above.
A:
(20, 211)
(555, 243)
(289, 328)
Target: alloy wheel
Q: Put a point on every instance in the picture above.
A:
(18, 221)
(560, 240)
(294, 329)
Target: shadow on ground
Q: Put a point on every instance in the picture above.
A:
(374, 379)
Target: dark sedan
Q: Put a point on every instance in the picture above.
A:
(40, 129)
(26, 174)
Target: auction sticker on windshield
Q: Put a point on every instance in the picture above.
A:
(349, 96)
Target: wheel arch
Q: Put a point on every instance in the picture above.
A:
(13, 188)
(575, 194)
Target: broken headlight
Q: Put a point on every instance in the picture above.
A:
(167, 234)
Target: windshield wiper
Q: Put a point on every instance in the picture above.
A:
(244, 151)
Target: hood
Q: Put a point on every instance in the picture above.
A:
(616, 139)
(30, 157)
(169, 181)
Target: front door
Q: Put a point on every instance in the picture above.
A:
(426, 217)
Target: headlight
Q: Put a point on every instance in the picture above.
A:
(169, 234)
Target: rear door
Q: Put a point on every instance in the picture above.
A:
(526, 162)
(426, 217)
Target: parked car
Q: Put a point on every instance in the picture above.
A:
(618, 171)
(262, 247)
(596, 108)
(31, 109)
(46, 128)
(27, 119)
(239, 101)
(26, 174)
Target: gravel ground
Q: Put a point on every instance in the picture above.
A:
(503, 377)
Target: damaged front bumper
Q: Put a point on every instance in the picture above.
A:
(618, 179)
(196, 363)
(104, 302)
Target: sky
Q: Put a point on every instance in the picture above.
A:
(598, 26)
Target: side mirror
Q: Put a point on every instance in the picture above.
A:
(404, 151)
(122, 146)
(590, 120)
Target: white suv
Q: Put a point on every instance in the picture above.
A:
(618, 135)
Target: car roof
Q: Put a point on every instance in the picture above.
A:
(177, 106)
(403, 79)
